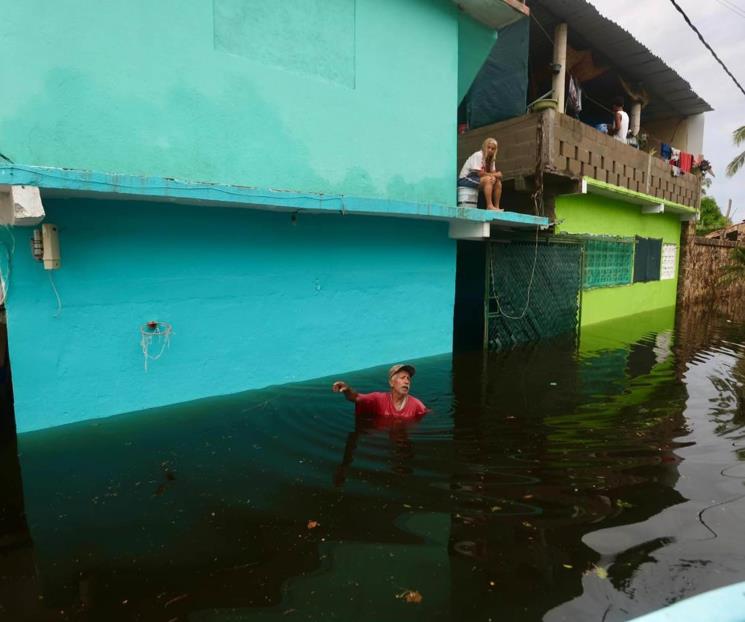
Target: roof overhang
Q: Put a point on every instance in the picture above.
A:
(671, 95)
(495, 14)
(466, 222)
(649, 204)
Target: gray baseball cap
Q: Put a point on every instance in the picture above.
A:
(401, 367)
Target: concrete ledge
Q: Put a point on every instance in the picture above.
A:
(68, 183)
(649, 204)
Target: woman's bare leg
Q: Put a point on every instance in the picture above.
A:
(487, 187)
(497, 194)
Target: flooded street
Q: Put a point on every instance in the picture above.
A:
(561, 481)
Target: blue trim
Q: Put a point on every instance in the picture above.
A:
(80, 183)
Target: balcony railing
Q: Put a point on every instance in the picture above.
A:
(560, 145)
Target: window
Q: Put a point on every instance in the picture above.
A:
(647, 260)
(608, 262)
(669, 261)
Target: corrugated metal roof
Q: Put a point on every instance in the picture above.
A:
(670, 94)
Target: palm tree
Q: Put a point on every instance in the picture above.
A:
(738, 137)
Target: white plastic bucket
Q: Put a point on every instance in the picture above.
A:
(467, 197)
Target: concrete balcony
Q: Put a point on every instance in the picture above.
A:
(565, 149)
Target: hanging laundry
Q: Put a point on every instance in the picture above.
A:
(574, 96)
(674, 156)
(666, 151)
(685, 162)
(676, 171)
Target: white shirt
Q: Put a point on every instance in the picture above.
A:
(475, 162)
(624, 129)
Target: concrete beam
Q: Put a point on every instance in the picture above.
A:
(465, 230)
(20, 206)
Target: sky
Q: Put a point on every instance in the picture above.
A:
(657, 25)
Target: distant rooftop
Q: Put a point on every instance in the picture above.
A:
(671, 95)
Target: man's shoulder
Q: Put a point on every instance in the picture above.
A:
(418, 404)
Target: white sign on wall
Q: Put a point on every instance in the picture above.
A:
(669, 255)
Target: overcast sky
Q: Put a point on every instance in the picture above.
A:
(657, 25)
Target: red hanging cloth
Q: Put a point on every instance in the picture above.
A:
(686, 161)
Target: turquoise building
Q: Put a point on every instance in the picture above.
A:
(229, 194)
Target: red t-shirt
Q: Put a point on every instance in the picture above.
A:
(380, 404)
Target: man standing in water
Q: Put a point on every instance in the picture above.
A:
(395, 403)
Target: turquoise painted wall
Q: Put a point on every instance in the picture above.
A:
(596, 215)
(352, 96)
(474, 44)
(254, 300)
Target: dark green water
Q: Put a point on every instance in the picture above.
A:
(556, 482)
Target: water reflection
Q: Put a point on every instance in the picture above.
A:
(559, 481)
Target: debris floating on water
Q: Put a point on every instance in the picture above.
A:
(598, 571)
(410, 596)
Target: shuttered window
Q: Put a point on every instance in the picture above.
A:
(647, 258)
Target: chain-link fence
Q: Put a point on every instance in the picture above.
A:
(534, 291)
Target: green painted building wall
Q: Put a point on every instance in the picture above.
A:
(595, 215)
(347, 96)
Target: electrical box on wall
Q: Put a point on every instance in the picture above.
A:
(50, 242)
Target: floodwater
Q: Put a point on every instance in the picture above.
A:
(596, 480)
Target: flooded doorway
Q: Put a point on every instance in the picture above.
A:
(533, 291)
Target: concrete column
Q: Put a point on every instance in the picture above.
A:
(560, 61)
(635, 118)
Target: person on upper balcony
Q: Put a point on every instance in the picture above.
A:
(480, 172)
(620, 127)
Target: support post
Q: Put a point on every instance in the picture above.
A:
(636, 118)
(560, 62)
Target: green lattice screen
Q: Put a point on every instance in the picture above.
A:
(527, 303)
(608, 263)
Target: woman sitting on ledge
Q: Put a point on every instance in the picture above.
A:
(480, 172)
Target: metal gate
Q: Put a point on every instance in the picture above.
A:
(534, 290)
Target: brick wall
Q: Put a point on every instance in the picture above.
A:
(576, 149)
(569, 148)
(518, 145)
